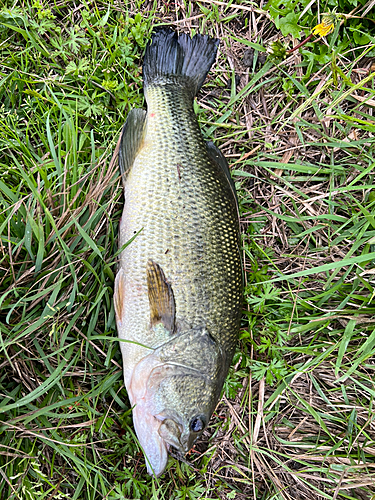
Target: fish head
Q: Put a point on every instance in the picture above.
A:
(171, 410)
(187, 401)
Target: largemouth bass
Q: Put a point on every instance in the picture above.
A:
(179, 286)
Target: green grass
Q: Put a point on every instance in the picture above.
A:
(297, 416)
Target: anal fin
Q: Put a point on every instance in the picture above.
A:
(131, 139)
(119, 295)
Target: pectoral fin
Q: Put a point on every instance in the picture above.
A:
(160, 294)
(131, 139)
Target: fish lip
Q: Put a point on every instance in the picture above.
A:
(183, 440)
(172, 439)
(157, 469)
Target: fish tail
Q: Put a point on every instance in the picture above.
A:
(172, 58)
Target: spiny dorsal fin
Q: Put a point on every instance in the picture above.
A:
(131, 140)
(160, 295)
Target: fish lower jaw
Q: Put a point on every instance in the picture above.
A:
(154, 447)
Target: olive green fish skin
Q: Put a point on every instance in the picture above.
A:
(184, 206)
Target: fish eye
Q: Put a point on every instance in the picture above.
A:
(197, 424)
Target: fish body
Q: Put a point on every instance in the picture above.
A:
(179, 285)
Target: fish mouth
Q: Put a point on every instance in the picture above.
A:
(157, 428)
(146, 420)
(154, 446)
(157, 434)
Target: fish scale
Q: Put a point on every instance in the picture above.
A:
(190, 218)
(178, 197)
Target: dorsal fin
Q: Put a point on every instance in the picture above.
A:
(160, 295)
(217, 157)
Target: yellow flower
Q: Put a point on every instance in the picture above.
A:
(326, 26)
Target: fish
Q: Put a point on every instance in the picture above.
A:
(178, 288)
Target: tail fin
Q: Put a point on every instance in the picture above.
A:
(170, 56)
